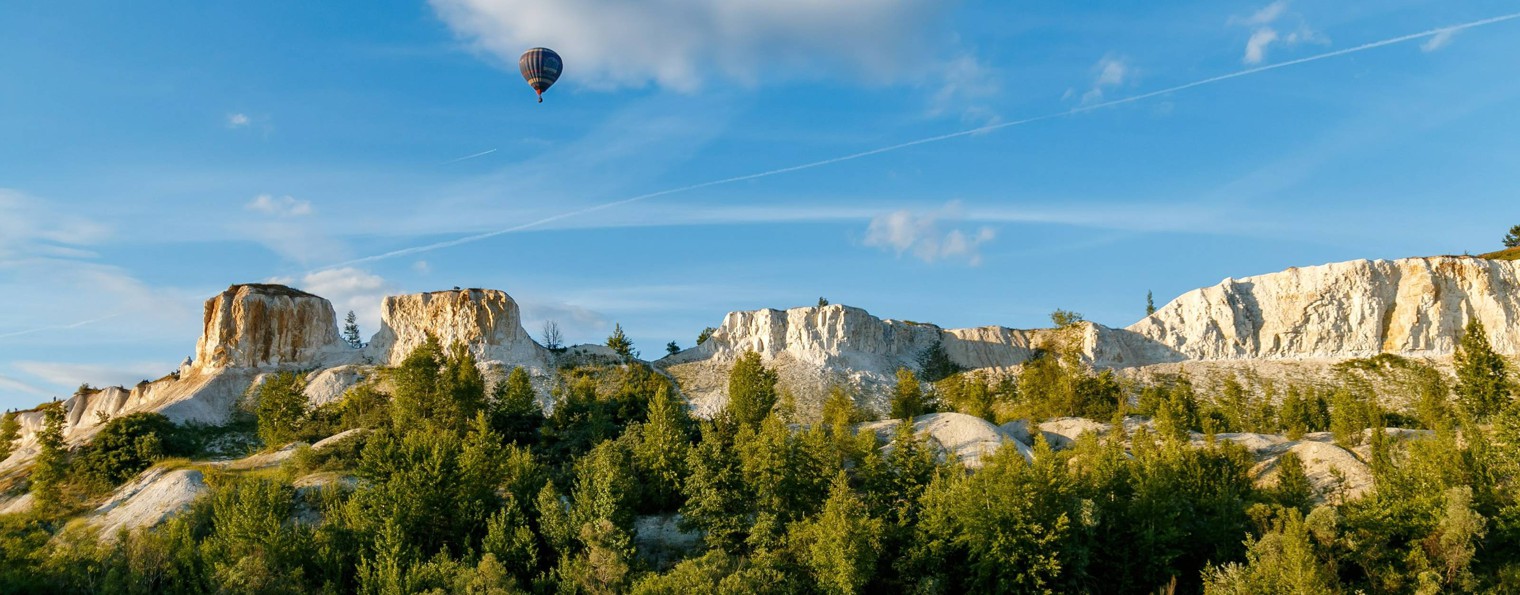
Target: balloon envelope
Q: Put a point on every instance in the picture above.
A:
(540, 67)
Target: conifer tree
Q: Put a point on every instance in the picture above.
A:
(1483, 384)
(1150, 303)
(842, 542)
(351, 331)
(515, 412)
(672, 348)
(280, 406)
(619, 342)
(52, 465)
(908, 399)
(10, 431)
(751, 390)
(706, 334)
(661, 455)
(1512, 239)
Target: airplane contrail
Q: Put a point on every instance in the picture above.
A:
(59, 327)
(934, 139)
(468, 157)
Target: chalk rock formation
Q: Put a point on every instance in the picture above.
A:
(1412, 307)
(259, 326)
(486, 320)
(969, 438)
(816, 348)
(147, 501)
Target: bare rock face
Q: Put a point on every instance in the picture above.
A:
(485, 320)
(1412, 307)
(260, 326)
(816, 348)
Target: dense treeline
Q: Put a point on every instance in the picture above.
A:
(464, 486)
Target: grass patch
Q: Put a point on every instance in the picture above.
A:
(1510, 254)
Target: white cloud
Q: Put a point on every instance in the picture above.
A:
(32, 228)
(904, 231)
(681, 43)
(1112, 72)
(238, 120)
(349, 289)
(284, 206)
(1267, 29)
(965, 86)
(9, 384)
(1440, 40)
(73, 374)
(422, 267)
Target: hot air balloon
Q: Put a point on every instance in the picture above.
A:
(540, 67)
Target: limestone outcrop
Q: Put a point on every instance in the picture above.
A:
(260, 326)
(485, 320)
(1410, 307)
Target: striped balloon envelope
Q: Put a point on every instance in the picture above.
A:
(540, 67)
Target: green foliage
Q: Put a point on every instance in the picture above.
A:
(672, 348)
(620, 343)
(1512, 239)
(351, 331)
(10, 432)
(1056, 384)
(51, 468)
(751, 390)
(514, 409)
(1303, 413)
(1150, 303)
(1483, 383)
(840, 411)
(124, 447)
(1065, 318)
(841, 542)
(437, 388)
(706, 334)
(908, 400)
(1351, 414)
(934, 364)
(1293, 489)
(1284, 561)
(661, 453)
(280, 405)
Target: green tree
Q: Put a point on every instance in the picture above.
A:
(908, 399)
(280, 405)
(1293, 489)
(751, 390)
(672, 348)
(717, 501)
(1483, 384)
(1065, 318)
(52, 465)
(1284, 561)
(661, 455)
(934, 363)
(351, 331)
(515, 412)
(822, 302)
(706, 334)
(842, 541)
(1150, 303)
(511, 541)
(839, 412)
(440, 388)
(10, 432)
(1512, 239)
(124, 447)
(619, 343)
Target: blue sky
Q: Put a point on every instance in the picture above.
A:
(156, 152)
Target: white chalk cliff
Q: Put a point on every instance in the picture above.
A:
(485, 320)
(260, 326)
(1412, 307)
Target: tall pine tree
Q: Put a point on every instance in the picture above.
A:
(1483, 384)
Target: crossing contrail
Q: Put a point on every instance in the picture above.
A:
(468, 157)
(58, 327)
(935, 139)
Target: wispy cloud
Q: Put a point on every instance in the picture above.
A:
(238, 120)
(1440, 40)
(679, 44)
(72, 374)
(13, 385)
(283, 206)
(559, 218)
(33, 228)
(1274, 25)
(965, 87)
(469, 157)
(1109, 73)
(922, 235)
(349, 289)
(422, 267)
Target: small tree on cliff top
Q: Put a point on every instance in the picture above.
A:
(1513, 239)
